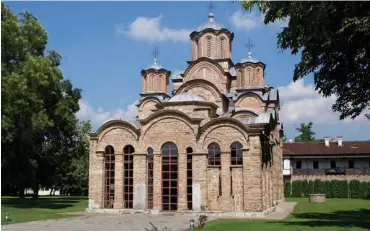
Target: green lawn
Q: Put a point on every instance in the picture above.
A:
(333, 215)
(22, 210)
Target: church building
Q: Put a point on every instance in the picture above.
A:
(212, 144)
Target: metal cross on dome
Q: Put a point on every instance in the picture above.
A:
(249, 45)
(211, 7)
(155, 53)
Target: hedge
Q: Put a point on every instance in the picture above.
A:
(332, 189)
(287, 189)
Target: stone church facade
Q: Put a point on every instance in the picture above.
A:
(212, 144)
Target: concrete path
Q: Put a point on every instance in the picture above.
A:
(126, 222)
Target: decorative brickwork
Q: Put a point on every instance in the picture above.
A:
(204, 142)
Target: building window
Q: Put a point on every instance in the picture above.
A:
(298, 164)
(351, 164)
(214, 154)
(333, 164)
(169, 176)
(150, 178)
(109, 166)
(209, 46)
(315, 164)
(222, 43)
(189, 175)
(236, 153)
(128, 176)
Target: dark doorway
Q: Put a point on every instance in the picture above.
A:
(169, 176)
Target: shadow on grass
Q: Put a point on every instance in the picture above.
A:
(352, 218)
(43, 202)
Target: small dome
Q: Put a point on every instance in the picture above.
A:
(186, 96)
(155, 65)
(211, 24)
(249, 59)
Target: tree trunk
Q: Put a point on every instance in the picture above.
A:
(35, 191)
(21, 192)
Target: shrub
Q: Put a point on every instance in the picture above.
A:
(354, 187)
(202, 220)
(305, 189)
(363, 190)
(318, 186)
(328, 189)
(311, 187)
(296, 188)
(287, 189)
(343, 189)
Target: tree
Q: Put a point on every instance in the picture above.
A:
(333, 39)
(306, 133)
(75, 176)
(38, 104)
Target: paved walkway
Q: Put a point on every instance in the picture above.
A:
(124, 222)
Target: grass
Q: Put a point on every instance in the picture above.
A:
(48, 207)
(333, 215)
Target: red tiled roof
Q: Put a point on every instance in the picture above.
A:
(319, 148)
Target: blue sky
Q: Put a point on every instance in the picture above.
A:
(105, 45)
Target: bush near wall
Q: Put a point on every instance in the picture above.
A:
(332, 189)
(287, 189)
(297, 188)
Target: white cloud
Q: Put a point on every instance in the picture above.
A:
(99, 116)
(150, 29)
(301, 103)
(245, 20)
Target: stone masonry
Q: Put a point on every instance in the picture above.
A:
(211, 145)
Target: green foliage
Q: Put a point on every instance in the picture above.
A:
(318, 186)
(363, 190)
(333, 39)
(328, 189)
(354, 186)
(39, 106)
(305, 189)
(306, 133)
(311, 187)
(287, 189)
(297, 188)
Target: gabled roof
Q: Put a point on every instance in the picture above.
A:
(319, 148)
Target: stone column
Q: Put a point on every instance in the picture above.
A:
(199, 181)
(252, 175)
(226, 202)
(140, 176)
(182, 183)
(96, 176)
(118, 180)
(157, 182)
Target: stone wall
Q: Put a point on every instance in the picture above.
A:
(251, 187)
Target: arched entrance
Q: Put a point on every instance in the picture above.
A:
(169, 176)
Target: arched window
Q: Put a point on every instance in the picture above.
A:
(189, 175)
(150, 178)
(128, 176)
(214, 154)
(209, 45)
(109, 166)
(169, 176)
(222, 43)
(199, 49)
(236, 153)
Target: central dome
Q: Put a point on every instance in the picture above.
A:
(186, 96)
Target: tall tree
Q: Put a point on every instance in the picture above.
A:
(333, 38)
(306, 133)
(38, 104)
